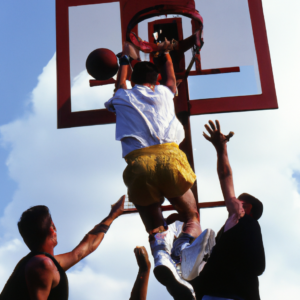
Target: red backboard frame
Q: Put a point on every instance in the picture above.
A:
(268, 98)
(67, 118)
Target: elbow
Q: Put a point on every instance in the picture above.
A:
(261, 269)
(258, 270)
(256, 265)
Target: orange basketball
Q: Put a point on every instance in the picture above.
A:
(102, 64)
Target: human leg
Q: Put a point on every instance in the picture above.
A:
(152, 218)
(187, 209)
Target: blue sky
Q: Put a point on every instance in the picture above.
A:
(77, 172)
(27, 30)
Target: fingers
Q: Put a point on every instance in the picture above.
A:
(212, 125)
(136, 250)
(206, 136)
(120, 201)
(142, 258)
(139, 249)
(208, 129)
(230, 135)
(218, 125)
(118, 208)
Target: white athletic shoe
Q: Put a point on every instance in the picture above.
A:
(165, 268)
(194, 256)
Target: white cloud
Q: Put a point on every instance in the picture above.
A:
(89, 284)
(10, 251)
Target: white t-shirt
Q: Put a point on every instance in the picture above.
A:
(145, 118)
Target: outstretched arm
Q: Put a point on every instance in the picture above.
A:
(128, 51)
(165, 66)
(219, 141)
(139, 290)
(167, 73)
(92, 239)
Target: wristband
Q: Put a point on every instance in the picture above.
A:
(124, 60)
(103, 228)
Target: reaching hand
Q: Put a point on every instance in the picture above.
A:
(130, 50)
(142, 258)
(217, 138)
(118, 208)
(167, 45)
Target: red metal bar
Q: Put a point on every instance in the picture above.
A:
(170, 207)
(94, 82)
(87, 118)
(268, 98)
(209, 72)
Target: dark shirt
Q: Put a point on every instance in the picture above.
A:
(16, 287)
(235, 262)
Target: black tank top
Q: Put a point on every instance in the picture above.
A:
(16, 288)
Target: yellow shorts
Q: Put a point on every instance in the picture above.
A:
(156, 172)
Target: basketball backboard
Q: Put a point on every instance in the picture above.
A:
(235, 72)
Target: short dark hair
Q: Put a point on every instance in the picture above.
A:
(257, 206)
(144, 72)
(34, 225)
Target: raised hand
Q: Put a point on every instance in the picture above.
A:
(142, 258)
(217, 138)
(130, 50)
(118, 208)
(167, 45)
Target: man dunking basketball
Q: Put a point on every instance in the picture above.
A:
(150, 134)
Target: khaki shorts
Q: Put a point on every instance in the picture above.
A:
(156, 172)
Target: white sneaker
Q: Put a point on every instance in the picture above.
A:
(194, 256)
(166, 273)
(165, 269)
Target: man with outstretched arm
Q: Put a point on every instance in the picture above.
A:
(41, 275)
(238, 258)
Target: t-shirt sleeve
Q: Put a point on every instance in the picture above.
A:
(120, 93)
(166, 90)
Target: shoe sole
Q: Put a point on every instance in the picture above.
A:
(179, 291)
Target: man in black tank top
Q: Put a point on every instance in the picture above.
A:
(41, 275)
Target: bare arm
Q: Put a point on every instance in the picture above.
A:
(139, 290)
(92, 239)
(122, 76)
(39, 275)
(168, 74)
(219, 141)
(130, 51)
